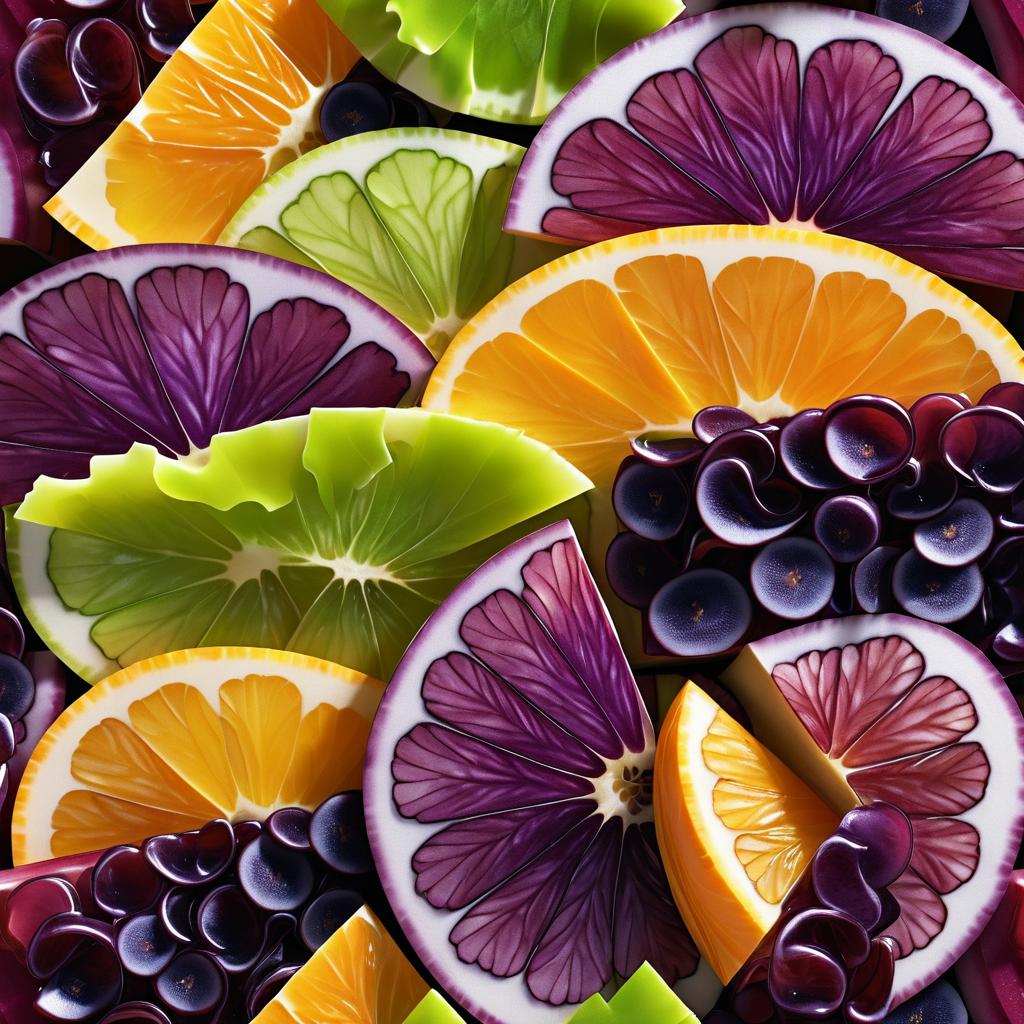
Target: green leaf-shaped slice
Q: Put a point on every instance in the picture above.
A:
(410, 217)
(643, 997)
(506, 60)
(433, 1008)
(333, 535)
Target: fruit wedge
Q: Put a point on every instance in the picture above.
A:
(409, 216)
(180, 739)
(506, 62)
(237, 100)
(800, 115)
(433, 1008)
(508, 796)
(333, 535)
(873, 708)
(643, 997)
(169, 344)
(358, 976)
(735, 825)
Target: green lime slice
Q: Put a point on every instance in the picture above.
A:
(505, 60)
(411, 217)
(333, 535)
(433, 1008)
(644, 997)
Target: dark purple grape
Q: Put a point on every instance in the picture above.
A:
(144, 945)
(12, 635)
(273, 876)
(806, 982)
(136, 1012)
(165, 24)
(84, 987)
(351, 108)
(868, 438)
(102, 56)
(65, 152)
(847, 526)
(887, 836)
(637, 569)
(651, 501)
(929, 415)
(32, 903)
(802, 450)
(792, 577)
(1006, 395)
(843, 938)
(231, 928)
(700, 613)
(752, 447)
(246, 832)
(739, 510)
(268, 986)
(337, 831)
(7, 741)
(839, 884)
(959, 535)
(1005, 561)
(326, 914)
(933, 592)
(938, 18)
(1008, 643)
(667, 451)
(17, 687)
(193, 858)
(124, 883)
(872, 579)
(176, 913)
(938, 1004)
(869, 991)
(60, 937)
(749, 994)
(933, 489)
(986, 446)
(192, 984)
(411, 111)
(716, 420)
(290, 825)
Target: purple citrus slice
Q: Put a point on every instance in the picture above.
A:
(508, 791)
(171, 344)
(888, 708)
(793, 115)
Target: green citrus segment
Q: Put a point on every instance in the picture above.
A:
(643, 997)
(433, 1008)
(410, 217)
(333, 535)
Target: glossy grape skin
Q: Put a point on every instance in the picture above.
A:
(868, 438)
(959, 535)
(934, 592)
(290, 826)
(17, 687)
(637, 569)
(144, 946)
(192, 984)
(792, 577)
(193, 858)
(123, 882)
(326, 914)
(652, 501)
(337, 832)
(86, 985)
(847, 526)
(701, 612)
(351, 108)
(937, 18)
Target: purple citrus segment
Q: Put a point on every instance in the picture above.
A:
(889, 708)
(168, 344)
(848, 86)
(508, 790)
(802, 115)
(459, 864)
(468, 696)
(672, 112)
(444, 775)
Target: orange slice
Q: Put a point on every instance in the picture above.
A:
(637, 334)
(358, 976)
(238, 99)
(735, 827)
(177, 740)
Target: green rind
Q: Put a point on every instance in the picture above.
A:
(333, 535)
(504, 60)
(644, 997)
(433, 1008)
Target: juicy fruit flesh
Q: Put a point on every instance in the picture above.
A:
(256, 69)
(735, 825)
(227, 732)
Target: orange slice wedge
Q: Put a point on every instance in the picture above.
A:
(177, 740)
(238, 99)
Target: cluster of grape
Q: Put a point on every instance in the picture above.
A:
(78, 73)
(17, 694)
(735, 532)
(209, 923)
(825, 959)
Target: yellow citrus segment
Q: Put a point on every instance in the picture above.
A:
(640, 332)
(238, 100)
(358, 976)
(177, 740)
(735, 828)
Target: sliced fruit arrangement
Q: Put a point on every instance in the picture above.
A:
(169, 344)
(410, 216)
(506, 62)
(864, 506)
(236, 101)
(644, 996)
(358, 976)
(508, 796)
(211, 920)
(789, 114)
(181, 739)
(334, 535)
(991, 972)
(861, 709)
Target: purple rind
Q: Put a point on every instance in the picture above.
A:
(13, 215)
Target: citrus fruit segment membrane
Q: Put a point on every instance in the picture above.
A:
(333, 535)
(178, 740)
(358, 976)
(736, 827)
(236, 101)
(899, 710)
(796, 115)
(501, 61)
(409, 216)
(508, 795)
(170, 344)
